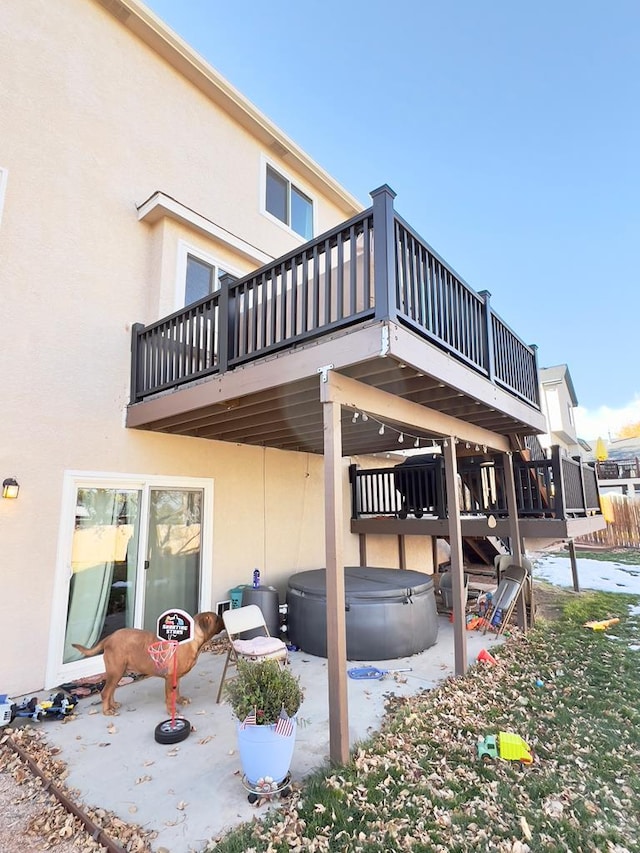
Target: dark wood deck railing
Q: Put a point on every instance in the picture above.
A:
(618, 469)
(373, 265)
(552, 488)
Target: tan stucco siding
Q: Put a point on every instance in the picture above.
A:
(93, 123)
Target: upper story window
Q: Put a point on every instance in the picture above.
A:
(201, 279)
(199, 275)
(288, 204)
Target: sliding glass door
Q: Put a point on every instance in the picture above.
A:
(172, 567)
(104, 563)
(130, 551)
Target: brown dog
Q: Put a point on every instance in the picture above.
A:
(127, 650)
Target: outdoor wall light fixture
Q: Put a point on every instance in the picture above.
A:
(10, 488)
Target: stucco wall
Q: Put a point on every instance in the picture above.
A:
(93, 123)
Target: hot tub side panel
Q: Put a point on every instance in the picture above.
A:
(381, 624)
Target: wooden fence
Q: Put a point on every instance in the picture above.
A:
(623, 523)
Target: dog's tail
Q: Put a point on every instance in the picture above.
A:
(89, 653)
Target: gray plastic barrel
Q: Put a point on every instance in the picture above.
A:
(446, 589)
(266, 597)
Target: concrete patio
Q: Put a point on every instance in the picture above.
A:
(192, 792)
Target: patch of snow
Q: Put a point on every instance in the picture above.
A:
(592, 574)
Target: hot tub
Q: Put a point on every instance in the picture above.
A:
(390, 613)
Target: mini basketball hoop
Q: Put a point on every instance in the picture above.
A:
(163, 655)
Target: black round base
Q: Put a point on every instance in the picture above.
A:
(168, 732)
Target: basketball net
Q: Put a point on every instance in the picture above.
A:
(163, 653)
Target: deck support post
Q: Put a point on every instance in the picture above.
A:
(336, 626)
(384, 253)
(136, 366)
(574, 565)
(488, 335)
(457, 564)
(514, 534)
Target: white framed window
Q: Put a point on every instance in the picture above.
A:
(4, 175)
(286, 202)
(198, 274)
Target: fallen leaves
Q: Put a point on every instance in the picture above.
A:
(53, 822)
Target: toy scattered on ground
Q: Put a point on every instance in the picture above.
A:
(5, 710)
(602, 625)
(485, 657)
(369, 672)
(57, 707)
(505, 745)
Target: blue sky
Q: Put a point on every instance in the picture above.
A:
(509, 131)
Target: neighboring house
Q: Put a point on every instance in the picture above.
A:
(203, 332)
(559, 401)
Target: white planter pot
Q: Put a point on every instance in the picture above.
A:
(265, 753)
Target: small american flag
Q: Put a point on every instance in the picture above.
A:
(284, 726)
(249, 720)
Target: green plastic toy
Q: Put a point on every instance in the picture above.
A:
(505, 745)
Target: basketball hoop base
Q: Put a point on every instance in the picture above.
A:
(177, 729)
(172, 731)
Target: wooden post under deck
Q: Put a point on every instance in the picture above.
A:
(336, 627)
(514, 534)
(574, 565)
(457, 565)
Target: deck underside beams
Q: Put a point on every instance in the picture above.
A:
(275, 402)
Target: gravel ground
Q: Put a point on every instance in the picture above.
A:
(32, 820)
(19, 805)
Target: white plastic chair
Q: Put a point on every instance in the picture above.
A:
(239, 620)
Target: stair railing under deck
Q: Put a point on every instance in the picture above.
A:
(551, 488)
(373, 265)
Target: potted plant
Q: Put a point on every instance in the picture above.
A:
(265, 699)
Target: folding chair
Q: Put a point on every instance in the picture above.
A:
(511, 585)
(261, 646)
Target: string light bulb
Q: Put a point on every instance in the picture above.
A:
(355, 417)
(416, 443)
(400, 438)
(381, 430)
(365, 416)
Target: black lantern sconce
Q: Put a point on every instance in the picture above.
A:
(10, 488)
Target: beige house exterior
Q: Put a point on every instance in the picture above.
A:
(212, 353)
(124, 157)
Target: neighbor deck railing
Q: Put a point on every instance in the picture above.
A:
(618, 469)
(558, 487)
(372, 266)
